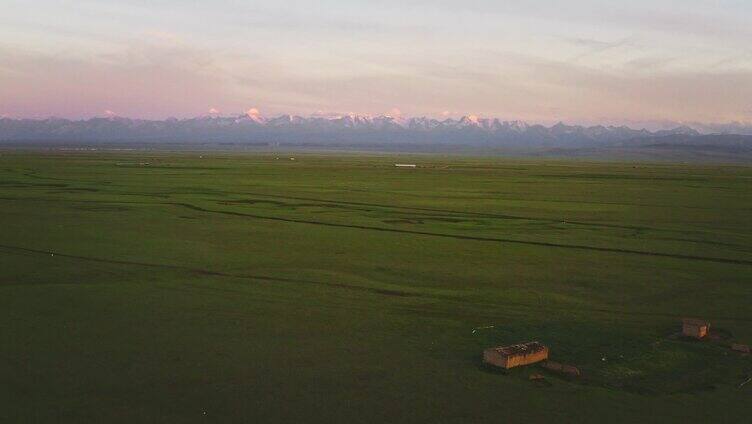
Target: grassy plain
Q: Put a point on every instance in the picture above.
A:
(212, 287)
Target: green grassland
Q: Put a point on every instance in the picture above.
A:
(218, 287)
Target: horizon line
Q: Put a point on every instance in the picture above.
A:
(260, 118)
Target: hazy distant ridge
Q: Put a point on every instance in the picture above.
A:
(349, 129)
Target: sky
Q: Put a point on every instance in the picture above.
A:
(578, 61)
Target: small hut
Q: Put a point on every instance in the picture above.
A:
(697, 328)
(515, 355)
(741, 348)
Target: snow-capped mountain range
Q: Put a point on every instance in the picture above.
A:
(337, 129)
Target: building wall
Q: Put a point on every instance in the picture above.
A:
(518, 360)
(698, 331)
(491, 356)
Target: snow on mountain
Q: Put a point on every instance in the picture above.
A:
(254, 115)
(326, 128)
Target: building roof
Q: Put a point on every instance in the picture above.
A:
(695, 321)
(520, 348)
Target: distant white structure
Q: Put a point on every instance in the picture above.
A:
(405, 165)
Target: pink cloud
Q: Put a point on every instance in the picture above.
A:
(141, 83)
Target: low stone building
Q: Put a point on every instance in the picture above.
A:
(515, 355)
(568, 370)
(741, 348)
(697, 328)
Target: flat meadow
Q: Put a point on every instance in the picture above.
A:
(154, 286)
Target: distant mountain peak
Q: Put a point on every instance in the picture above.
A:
(252, 126)
(254, 115)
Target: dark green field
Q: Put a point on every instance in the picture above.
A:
(181, 287)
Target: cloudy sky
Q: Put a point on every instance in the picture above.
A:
(581, 61)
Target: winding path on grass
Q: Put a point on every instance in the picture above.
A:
(473, 238)
(746, 262)
(373, 290)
